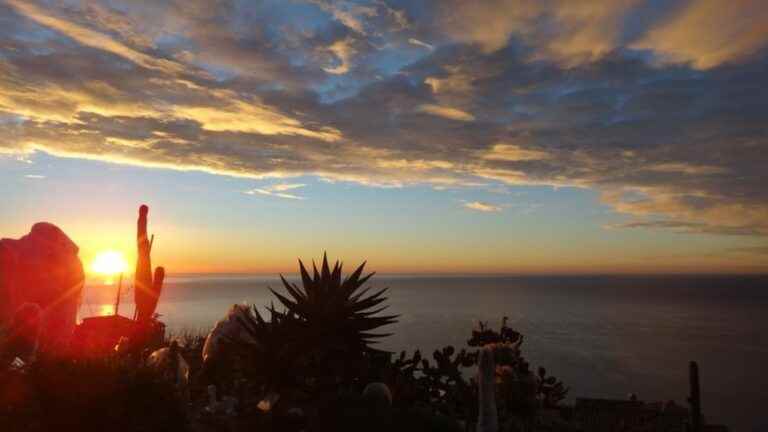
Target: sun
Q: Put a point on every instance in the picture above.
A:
(109, 263)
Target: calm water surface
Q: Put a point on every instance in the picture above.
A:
(604, 336)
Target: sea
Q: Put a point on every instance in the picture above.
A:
(604, 336)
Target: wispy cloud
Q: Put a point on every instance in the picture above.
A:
(685, 168)
(510, 152)
(414, 41)
(92, 38)
(482, 207)
(278, 190)
(351, 15)
(34, 176)
(446, 112)
(688, 227)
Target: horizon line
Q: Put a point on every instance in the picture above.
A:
(471, 274)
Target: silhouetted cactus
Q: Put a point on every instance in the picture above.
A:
(488, 415)
(694, 399)
(146, 287)
(443, 388)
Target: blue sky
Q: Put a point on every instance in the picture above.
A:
(504, 136)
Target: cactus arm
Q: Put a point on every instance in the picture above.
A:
(154, 293)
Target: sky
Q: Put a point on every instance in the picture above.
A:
(450, 136)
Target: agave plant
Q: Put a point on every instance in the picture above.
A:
(273, 354)
(339, 315)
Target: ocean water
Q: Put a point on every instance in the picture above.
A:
(604, 336)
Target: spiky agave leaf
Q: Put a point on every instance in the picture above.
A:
(274, 352)
(337, 312)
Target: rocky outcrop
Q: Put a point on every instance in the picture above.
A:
(42, 268)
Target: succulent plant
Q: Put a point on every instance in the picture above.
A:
(337, 313)
(442, 386)
(274, 351)
(147, 287)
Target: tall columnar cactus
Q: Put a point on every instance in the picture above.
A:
(695, 398)
(488, 417)
(146, 288)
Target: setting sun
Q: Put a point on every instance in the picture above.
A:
(109, 263)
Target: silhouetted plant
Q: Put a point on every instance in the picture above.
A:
(551, 390)
(338, 318)
(484, 335)
(317, 356)
(95, 395)
(443, 387)
(276, 361)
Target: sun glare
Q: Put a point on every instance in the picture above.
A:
(109, 263)
(106, 310)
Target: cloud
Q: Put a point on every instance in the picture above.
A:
(278, 190)
(235, 115)
(93, 39)
(482, 207)
(343, 50)
(350, 14)
(561, 29)
(690, 227)
(706, 33)
(685, 168)
(34, 176)
(511, 152)
(709, 33)
(414, 41)
(445, 112)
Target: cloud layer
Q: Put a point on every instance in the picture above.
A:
(625, 97)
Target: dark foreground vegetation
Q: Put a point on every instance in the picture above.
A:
(308, 363)
(309, 366)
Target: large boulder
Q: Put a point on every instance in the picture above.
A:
(42, 268)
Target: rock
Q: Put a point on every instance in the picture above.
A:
(228, 328)
(23, 337)
(172, 365)
(42, 268)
